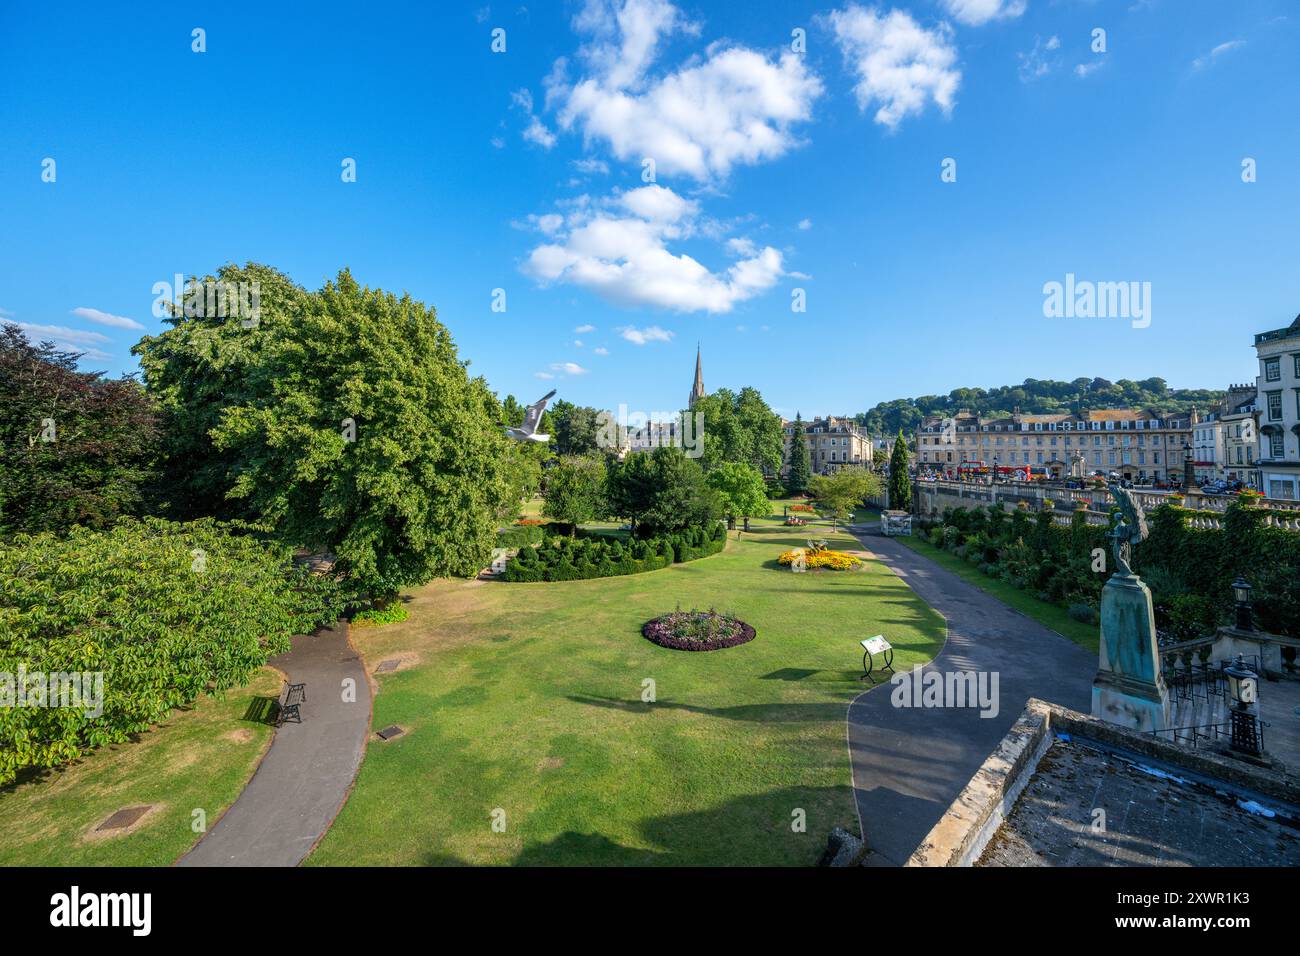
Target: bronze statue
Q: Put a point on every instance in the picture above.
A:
(1128, 528)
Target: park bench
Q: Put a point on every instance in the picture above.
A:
(294, 698)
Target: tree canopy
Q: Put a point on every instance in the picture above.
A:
(661, 491)
(740, 427)
(800, 461)
(75, 448)
(1038, 397)
(345, 421)
(900, 484)
(741, 488)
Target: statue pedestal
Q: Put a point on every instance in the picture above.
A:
(1129, 689)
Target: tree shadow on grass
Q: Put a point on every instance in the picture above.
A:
(753, 713)
(751, 830)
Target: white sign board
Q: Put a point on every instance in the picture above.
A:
(877, 644)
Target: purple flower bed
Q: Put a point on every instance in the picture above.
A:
(697, 631)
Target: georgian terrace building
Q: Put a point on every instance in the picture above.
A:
(1138, 444)
(833, 442)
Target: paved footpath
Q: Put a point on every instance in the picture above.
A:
(305, 776)
(909, 764)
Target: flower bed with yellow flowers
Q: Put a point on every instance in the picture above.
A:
(821, 558)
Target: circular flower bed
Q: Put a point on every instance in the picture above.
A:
(697, 631)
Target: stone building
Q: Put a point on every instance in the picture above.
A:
(833, 442)
(1137, 444)
(1278, 399)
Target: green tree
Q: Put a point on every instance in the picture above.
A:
(740, 428)
(843, 490)
(75, 448)
(575, 491)
(741, 488)
(900, 485)
(575, 428)
(202, 365)
(800, 459)
(348, 425)
(661, 491)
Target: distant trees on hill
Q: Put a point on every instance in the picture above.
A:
(1038, 397)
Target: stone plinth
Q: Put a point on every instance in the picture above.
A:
(1129, 689)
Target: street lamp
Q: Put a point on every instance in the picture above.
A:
(1189, 479)
(1241, 591)
(1243, 687)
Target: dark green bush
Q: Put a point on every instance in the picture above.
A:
(574, 559)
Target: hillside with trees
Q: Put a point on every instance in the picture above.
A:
(1038, 397)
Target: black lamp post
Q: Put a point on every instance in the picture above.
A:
(995, 468)
(1243, 687)
(1189, 469)
(1241, 591)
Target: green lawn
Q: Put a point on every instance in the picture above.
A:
(1049, 615)
(199, 758)
(528, 698)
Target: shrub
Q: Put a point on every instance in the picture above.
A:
(521, 536)
(573, 559)
(164, 611)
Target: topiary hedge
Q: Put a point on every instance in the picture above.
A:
(575, 559)
(162, 612)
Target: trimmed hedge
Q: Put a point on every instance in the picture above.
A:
(162, 612)
(577, 559)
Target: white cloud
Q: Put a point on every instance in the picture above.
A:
(619, 250)
(731, 106)
(651, 333)
(658, 204)
(1209, 59)
(900, 65)
(600, 351)
(1039, 61)
(584, 329)
(106, 318)
(591, 167)
(498, 142)
(535, 131)
(568, 368)
(543, 375)
(805, 224)
(577, 343)
(1084, 70)
(5, 312)
(976, 13)
(62, 333)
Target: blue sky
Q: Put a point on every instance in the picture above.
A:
(775, 170)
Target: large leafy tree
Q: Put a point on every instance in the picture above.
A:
(843, 490)
(575, 428)
(348, 425)
(75, 448)
(575, 490)
(661, 491)
(800, 459)
(741, 489)
(201, 366)
(900, 485)
(740, 427)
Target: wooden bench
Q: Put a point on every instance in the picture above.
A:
(294, 698)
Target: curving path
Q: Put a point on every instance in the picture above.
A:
(305, 776)
(909, 764)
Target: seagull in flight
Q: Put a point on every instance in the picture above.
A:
(532, 418)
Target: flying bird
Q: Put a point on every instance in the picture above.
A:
(532, 418)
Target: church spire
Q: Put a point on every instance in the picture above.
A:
(697, 389)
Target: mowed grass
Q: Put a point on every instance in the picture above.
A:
(527, 701)
(1049, 615)
(199, 758)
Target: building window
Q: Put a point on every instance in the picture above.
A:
(1296, 357)
(1272, 369)
(1275, 449)
(1281, 488)
(1274, 406)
